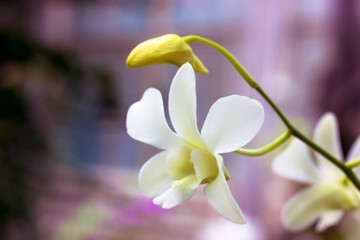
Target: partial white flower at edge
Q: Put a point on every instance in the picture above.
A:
(329, 193)
(190, 158)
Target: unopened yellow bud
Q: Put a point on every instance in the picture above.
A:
(169, 48)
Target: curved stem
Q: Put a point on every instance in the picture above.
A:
(226, 53)
(348, 172)
(353, 163)
(268, 148)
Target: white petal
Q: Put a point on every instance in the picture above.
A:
(295, 163)
(328, 219)
(231, 123)
(307, 205)
(180, 192)
(220, 198)
(326, 134)
(146, 121)
(182, 104)
(153, 179)
(354, 153)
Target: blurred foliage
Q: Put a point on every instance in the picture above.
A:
(15, 47)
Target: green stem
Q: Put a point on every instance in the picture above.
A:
(348, 172)
(268, 148)
(353, 163)
(226, 53)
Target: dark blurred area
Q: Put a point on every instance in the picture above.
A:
(67, 167)
(340, 90)
(61, 81)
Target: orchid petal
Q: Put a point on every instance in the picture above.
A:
(295, 163)
(354, 151)
(231, 123)
(153, 179)
(146, 121)
(178, 164)
(326, 134)
(205, 165)
(220, 198)
(180, 192)
(182, 104)
(328, 219)
(309, 204)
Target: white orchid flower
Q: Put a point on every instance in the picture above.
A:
(330, 194)
(191, 158)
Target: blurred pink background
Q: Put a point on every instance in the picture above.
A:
(68, 170)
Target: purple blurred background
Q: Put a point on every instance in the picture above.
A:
(68, 170)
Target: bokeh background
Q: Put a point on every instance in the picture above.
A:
(68, 170)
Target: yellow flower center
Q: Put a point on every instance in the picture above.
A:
(183, 162)
(179, 164)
